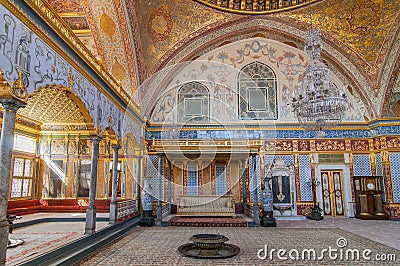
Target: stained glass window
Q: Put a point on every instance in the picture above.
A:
(257, 92)
(16, 187)
(84, 178)
(18, 167)
(26, 187)
(193, 103)
(21, 185)
(28, 168)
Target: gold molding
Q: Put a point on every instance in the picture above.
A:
(73, 15)
(52, 19)
(82, 33)
(249, 125)
(193, 146)
(26, 129)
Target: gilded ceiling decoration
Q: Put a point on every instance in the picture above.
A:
(362, 25)
(73, 14)
(365, 30)
(255, 6)
(160, 24)
(77, 23)
(165, 23)
(66, 6)
(107, 24)
(52, 106)
(112, 36)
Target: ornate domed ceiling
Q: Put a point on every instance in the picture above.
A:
(135, 39)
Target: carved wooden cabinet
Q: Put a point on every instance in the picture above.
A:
(368, 196)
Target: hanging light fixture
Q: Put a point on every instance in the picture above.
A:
(322, 105)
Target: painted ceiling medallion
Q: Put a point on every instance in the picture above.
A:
(107, 24)
(255, 6)
(160, 23)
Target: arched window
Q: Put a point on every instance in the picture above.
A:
(193, 100)
(257, 92)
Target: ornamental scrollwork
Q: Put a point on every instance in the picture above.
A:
(393, 142)
(330, 145)
(360, 145)
(17, 90)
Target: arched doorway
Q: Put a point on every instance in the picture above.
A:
(57, 125)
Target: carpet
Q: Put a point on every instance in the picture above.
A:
(208, 221)
(159, 246)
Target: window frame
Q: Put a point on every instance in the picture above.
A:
(267, 82)
(31, 177)
(193, 91)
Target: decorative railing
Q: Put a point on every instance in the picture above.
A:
(166, 209)
(249, 210)
(126, 209)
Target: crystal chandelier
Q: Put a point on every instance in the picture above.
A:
(322, 106)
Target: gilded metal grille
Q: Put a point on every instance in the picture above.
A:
(255, 6)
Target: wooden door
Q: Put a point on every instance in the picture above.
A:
(332, 192)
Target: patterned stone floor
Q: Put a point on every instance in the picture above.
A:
(43, 237)
(158, 245)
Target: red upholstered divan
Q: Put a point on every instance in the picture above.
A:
(22, 207)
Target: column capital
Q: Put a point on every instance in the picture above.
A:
(15, 95)
(11, 104)
(116, 146)
(95, 139)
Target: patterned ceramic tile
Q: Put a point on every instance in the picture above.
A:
(221, 179)
(193, 180)
(207, 133)
(378, 161)
(152, 171)
(269, 159)
(395, 167)
(305, 175)
(251, 178)
(362, 164)
(258, 176)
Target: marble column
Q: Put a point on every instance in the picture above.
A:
(160, 180)
(12, 97)
(6, 146)
(255, 191)
(169, 195)
(90, 225)
(138, 181)
(114, 184)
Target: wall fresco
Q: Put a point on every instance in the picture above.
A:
(22, 50)
(219, 71)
